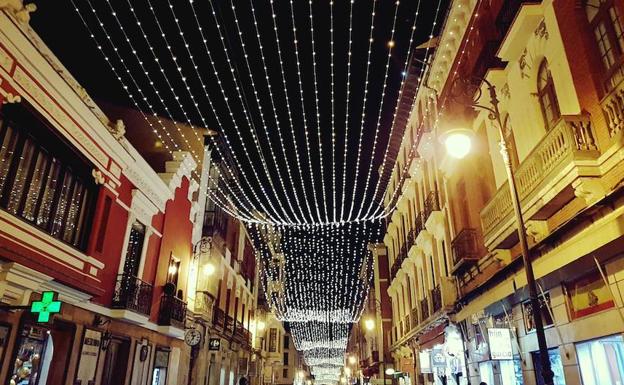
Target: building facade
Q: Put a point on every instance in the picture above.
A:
(556, 68)
(85, 216)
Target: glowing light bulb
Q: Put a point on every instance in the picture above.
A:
(458, 143)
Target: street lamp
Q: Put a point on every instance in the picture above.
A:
(458, 144)
(352, 360)
(369, 324)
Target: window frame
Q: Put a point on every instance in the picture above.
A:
(603, 16)
(548, 90)
(28, 126)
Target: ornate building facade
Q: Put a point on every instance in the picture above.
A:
(556, 68)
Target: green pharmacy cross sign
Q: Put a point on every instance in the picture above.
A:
(47, 306)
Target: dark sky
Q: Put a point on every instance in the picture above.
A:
(61, 28)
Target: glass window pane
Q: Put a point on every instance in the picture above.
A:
(7, 149)
(72, 212)
(77, 241)
(62, 203)
(20, 182)
(135, 248)
(50, 184)
(602, 361)
(35, 186)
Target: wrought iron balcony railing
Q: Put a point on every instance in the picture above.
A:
(436, 298)
(424, 309)
(432, 203)
(133, 294)
(172, 311)
(465, 248)
(414, 318)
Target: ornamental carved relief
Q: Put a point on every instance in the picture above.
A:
(17, 8)
(541, 31)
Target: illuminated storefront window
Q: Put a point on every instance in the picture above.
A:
(602, 360)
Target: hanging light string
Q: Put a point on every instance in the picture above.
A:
(368, 62)
(442, 104)
(272, 214)
(288, 108)
(277, 120)
(346, 136)
(126, 88)
(384, 210)
(151, 82)
(241, 97)
(333, 108)
(405, 68)
(318, 115)
(303, 113)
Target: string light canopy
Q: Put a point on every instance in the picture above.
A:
(305, 111)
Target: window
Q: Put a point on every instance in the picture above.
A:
(608, 30)
(285, 373)
(273, 340)
(40, 180)
(602, 360)
(285, 358)
(556, 365)
(286, 342)
(135, 249)
(547, 96)
(527, 311)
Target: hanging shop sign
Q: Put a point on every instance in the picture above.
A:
(425, 361)
(214, 344)
(438, 360)
(500, 344)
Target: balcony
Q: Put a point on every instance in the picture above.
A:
(432, 203)
(398, 261)
(613, 105)
(132, 294)
(436, 299)
(413, 233)
(465, 248)
(414, 318)
(172, 311)
(219, 319)
(424, 309)
(242, 335)
(547, 171)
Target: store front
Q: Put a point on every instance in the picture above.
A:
(556, 365)
(441, 356)
(601, 361)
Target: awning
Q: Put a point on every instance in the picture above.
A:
(433, 337)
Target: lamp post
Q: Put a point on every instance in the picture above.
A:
(460, 141)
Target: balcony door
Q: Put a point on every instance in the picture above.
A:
(134, 249)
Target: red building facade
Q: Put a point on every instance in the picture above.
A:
(84, 215)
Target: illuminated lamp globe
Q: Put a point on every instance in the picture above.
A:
(347, 371)
(352, 360)
(369, 324)
(209, 269)
(390, 371)
(458, 142)
(261, 325)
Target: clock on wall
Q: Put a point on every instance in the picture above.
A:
(192, 337)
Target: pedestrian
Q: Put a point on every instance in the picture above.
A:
(243, 381)
(483, 383)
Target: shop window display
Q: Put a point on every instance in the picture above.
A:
(511, 372)
(556, 365)
(602, 361)
(27, 365)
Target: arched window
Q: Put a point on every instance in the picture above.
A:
(547, 96)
